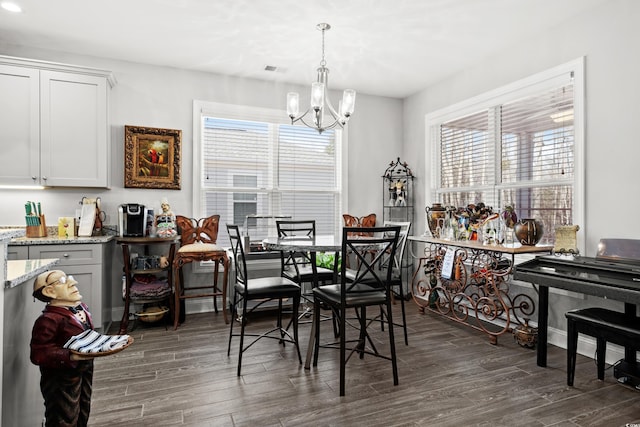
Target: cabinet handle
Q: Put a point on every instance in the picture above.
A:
(66, 255)
(44, 177)
(34, 178)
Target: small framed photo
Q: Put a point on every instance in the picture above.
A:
(152, 157)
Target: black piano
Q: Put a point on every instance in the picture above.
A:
(608, 277)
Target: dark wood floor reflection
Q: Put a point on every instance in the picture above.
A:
(449, 376)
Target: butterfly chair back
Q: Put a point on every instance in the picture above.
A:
(259, 291)
(369, 286)
(198, 243)
(363, 221)
(354, 221)
(203, 230)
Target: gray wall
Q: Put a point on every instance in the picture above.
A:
(607, 36)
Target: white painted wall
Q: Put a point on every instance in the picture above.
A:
(162, 97)
(607, 37)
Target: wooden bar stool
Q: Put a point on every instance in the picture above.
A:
(198, 243)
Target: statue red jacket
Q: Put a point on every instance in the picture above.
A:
(54, 327)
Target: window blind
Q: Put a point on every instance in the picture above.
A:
(267, 169)
(467, 172)
(520, 151)
(538, 156)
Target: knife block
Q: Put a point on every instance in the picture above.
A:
(37, 230)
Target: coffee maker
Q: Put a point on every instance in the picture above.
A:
(132, 220)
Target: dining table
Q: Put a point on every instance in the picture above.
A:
(310, 245)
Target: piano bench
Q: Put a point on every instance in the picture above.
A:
(605, 325)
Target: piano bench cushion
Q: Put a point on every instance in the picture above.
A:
(611, 325)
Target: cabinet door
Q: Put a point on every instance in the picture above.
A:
(85, 264)
(20, 124)
(15, 252)
(74, 144)
(68, 254)
(89, 278)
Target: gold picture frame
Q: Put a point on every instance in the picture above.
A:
(152, 157)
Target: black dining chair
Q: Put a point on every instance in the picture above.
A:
(397, 280)
(369, 286)
(299, 266)
(259, 291)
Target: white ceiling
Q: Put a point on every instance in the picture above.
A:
(381, 47)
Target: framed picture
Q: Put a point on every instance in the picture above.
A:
(151, 157)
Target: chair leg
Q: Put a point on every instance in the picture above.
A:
(392, 343)
(279, 322)
(572, 349)
(316, 325)
(601, 351)
(404, 316)
(215, 285)
(363, 330)
(296, 304)
(243, 323)
(177, 286)
(343, 344)
(234, 312)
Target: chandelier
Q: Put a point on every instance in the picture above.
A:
(314, 117)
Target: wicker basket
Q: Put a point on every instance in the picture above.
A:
(152, 314)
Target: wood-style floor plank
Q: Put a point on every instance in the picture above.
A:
(450, 375)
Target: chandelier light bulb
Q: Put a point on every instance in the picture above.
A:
(348, 102)
(293, 104)
(317, 95)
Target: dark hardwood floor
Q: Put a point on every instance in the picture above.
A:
(450, 375)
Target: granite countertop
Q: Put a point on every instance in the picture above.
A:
(17, 236)
(19, 271)
(55, 240)
(11, 233)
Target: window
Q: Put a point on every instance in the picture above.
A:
(248, 164)
(519, 145)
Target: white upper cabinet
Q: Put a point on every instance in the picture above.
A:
(20, 124)
(55, 124)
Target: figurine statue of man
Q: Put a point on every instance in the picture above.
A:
(66, 377)
(166, 221)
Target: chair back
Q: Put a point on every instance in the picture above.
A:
(290, 228)
(238, 253)
(382, 241)
(203, 230)
(405, 227)
(292, 261)
(363, 221)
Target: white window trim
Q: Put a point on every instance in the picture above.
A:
(241, 112)
(530, 85)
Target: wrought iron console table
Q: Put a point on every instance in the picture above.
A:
(468, 282)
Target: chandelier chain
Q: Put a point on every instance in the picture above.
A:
(323, 62)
